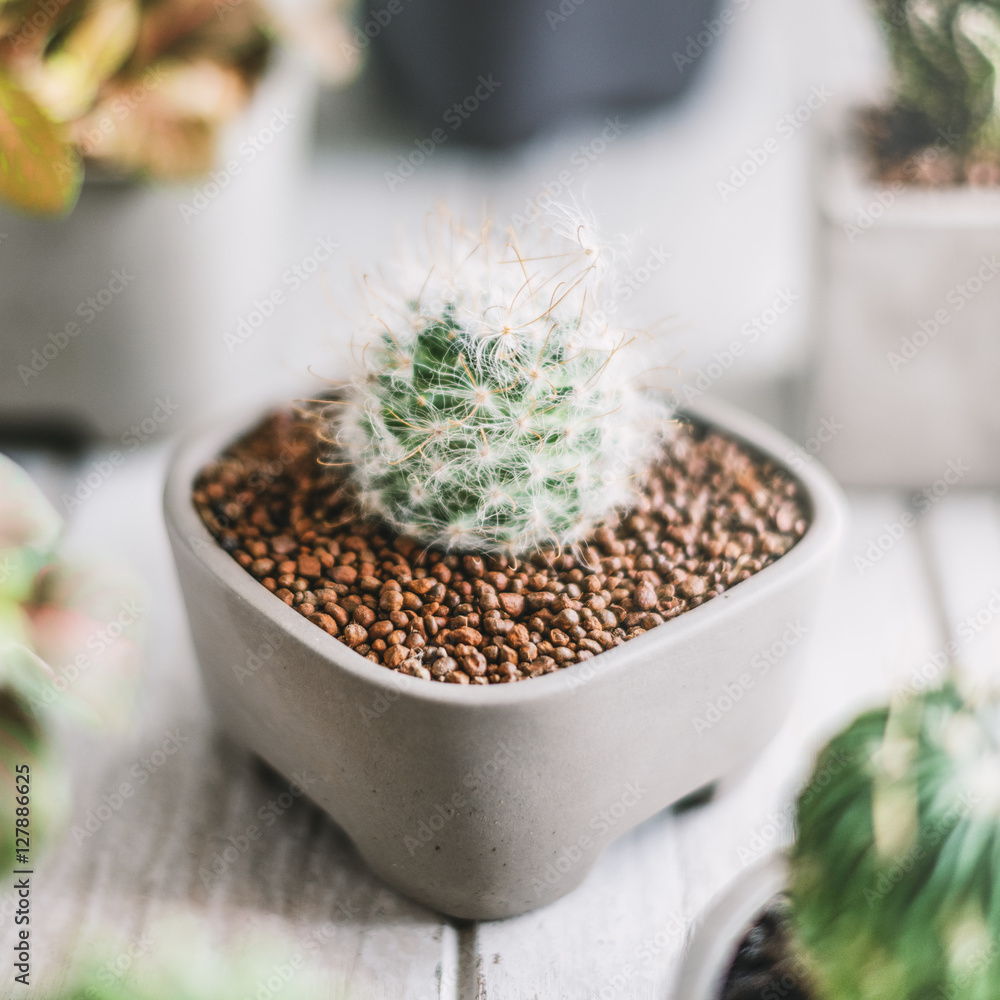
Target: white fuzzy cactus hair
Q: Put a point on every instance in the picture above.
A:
(500, 409)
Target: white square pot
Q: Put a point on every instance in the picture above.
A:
(722, 927)
(485, 802)
(907, 359)
(113, 319)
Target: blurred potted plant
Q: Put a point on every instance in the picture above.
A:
(68, 649)
(892, 882)
(907, 289)
(495, 73)
(492, 548)
(190, 125)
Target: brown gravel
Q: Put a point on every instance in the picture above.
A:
(904, 150)
(712, 515)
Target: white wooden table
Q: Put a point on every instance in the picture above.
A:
(619, 935)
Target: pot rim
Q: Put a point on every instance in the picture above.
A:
(846, 185)
(202, 444)
(722, 925)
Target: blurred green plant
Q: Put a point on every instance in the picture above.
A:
(68, 646)
(945, 58)
(501, 410)
(896, 869)
(179, 958)
(139, 86)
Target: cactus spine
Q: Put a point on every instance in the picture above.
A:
(499, 411)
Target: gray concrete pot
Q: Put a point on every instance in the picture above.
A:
(487, 802)
(723, 926)
(908, 357)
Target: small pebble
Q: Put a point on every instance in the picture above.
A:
(709, 516)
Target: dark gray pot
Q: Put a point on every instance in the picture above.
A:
(486, 802)
(550, 57)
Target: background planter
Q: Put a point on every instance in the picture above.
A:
(486, 802)
(549, 59)
(153, 276)
(908, 355)
(724, 925)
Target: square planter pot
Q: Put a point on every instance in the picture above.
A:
(494, 73)
(908, 354)
(723, 926)
(489, 801)
(104, 313)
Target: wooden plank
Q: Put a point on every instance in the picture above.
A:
(178, 843)
(621, 933)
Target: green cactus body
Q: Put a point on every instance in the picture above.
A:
(895, 892)
(946, 57)
(500, 411)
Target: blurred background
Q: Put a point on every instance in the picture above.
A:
(692, 127)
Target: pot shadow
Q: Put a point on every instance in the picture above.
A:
(215, 832)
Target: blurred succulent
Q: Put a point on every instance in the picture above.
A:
(141, 86)
(499, 410)
(179, 958)
(896, 870)
(945, 56)
(67, 645)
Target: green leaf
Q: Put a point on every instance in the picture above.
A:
(66, 84)
(39, 171)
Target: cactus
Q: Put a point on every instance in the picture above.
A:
(500, 411)
(945, 56)
(896, 871)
